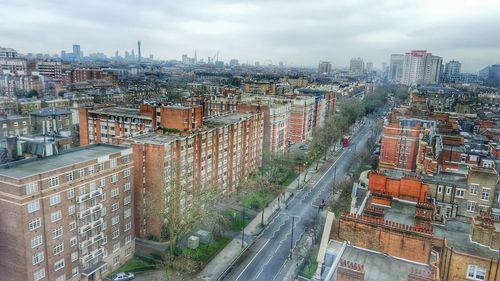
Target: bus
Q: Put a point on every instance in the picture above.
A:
(346, 140)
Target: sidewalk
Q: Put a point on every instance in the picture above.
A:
(233, 250)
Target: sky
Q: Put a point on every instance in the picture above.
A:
(296, 32)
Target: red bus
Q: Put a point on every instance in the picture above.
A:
(346, 140)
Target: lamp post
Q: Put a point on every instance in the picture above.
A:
(291, 239)
(243, 229)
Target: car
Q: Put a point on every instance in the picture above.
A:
(123, 276)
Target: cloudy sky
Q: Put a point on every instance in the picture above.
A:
(297, 32)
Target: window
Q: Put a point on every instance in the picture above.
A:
(102, 182)
(116, 247)
(127, 213)
(33, 206)
(72, 225)
(115, 220)
(82, 190)
(38, 258)
(114, 178)
(34, 224)
(81, 173)
(58, 265)
(485, 195)
(475, 272)
(71, 193)
(471, 206)
(126, 200)
(440, 189)
(448, 190)
(31, 188)
(126, 187)
(459, 193)
(57, 249)
(55, 199)
(74, 271)
(55, 216)
(53, 181)
(90, 169)
(69, 176)
(128, 239)
(116, 260)
(56, 233)
(71, 210)
(114, 192)
(39, 274)
(128, 226)
(74, 256)
(115, 233)
(72, 241)
(115, 206)
(61, 278)
(36, 241)
(100, 167)
(126, 173)
(473, 189)
(128, 251)
(112, 163)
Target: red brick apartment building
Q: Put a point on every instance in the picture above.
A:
(401, 141)
(219, 154)
(68, 216)
(104, 124)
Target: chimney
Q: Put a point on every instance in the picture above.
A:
(11, 148)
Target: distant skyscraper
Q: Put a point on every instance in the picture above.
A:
(132, 55)
(63, 54)
(195, 57)
(324, 67)
(139, 51)
(452, 68)
(234, 62)
(369, 66)
(396, 68)
(357, 67)
(76, 52)
(421, 67)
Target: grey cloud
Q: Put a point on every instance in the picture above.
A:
(294, 31)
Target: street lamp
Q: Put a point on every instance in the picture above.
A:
(291, 238)
(243, 229)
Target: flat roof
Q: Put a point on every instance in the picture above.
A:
(25, 168)
(121, 111)
(377, 265)
(458, 233)
(154, 138)
(401, 212)
(225, 119)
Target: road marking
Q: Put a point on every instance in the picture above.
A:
(251, 261)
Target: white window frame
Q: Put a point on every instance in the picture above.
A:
(58, 265)
(36, 241)
(31, 188)
(33, 206)
(71, 193)
(114, 178)
(39, 274)
(37, 258)
(57, 249)
(57, 232)
(55, 199)
(34, 224)
(53, 181)
(56, 216)
(472, 272)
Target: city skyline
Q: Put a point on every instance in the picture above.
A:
(299, 35)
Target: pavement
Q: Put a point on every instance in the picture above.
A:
(270, 248)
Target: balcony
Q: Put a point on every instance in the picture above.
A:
(87, 196)
(90, 211)
(90, 226)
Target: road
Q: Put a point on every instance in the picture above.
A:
(265, 258)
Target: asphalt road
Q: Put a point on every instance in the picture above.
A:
(264, 259)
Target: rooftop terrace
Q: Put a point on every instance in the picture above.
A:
(24, 168)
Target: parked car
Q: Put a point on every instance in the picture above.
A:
(123, 276)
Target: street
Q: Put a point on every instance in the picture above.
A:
(265, 258)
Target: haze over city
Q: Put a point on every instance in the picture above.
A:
(299, 33)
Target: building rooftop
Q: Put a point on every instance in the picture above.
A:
(25, 168)
(120, 111)
(50, 111)
(377, 266)
(225, 119)
(400, 212)
(154, 138)
(11, 117)
(458, 233)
